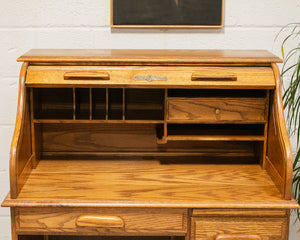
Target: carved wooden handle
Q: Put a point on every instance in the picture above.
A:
(87, 75)
(213, 76)
(99, 221)
(237, 237)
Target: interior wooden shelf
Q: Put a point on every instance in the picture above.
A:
(68, 237)
(215, 132)
(148, 182)
(96, 121)
(214, 122)
(215, 138)
(98, 104)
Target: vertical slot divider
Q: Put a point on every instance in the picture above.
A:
(46, 237)
(33, 146)
(31, 104)
(164, 138)
(123, 107)
(263, 159)
(91, 104)
(74, 104)
(106, 105)
(166, 115)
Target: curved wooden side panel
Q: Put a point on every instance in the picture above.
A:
(20, 153)
(279, 163)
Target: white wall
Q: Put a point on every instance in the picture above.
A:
(85, 24)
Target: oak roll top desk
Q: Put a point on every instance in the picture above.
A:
(150, 145)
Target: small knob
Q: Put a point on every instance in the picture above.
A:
(217, 111)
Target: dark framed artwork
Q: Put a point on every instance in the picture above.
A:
(167, 13)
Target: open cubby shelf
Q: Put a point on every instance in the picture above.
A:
(121, 103)
(53, 103)
(145, 106)
(215, 132)
(98, 104)
(139, 141)
(194, 93)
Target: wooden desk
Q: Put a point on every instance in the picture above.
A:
(150, 145)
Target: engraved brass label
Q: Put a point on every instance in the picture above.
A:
(150, 78)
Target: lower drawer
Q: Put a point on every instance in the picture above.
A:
(91, 221)
(240, 226)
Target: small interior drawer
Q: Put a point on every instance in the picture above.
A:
(101, 221)
(239, 226)
(217, 109)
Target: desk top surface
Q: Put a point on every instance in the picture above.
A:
(151, 56)
(148, 184)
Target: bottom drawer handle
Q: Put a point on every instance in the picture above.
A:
(237, 237)
(99, 221)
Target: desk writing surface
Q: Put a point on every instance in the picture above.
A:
(113, 180)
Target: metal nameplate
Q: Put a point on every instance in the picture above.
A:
(150, 78)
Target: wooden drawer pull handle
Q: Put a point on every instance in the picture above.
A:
(213, 76)
(99, 221)
(86, 75)
(237, 237)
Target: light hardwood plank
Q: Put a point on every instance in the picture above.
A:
(149, 56)
(176, 77)
(147, 181)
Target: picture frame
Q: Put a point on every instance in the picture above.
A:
(167, 13)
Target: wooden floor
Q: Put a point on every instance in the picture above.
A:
(147, 183)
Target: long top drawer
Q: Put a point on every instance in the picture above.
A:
(148, 77)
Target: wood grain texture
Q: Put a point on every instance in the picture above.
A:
(14, 235)
(20, 151)
(93, 121)
(283, 204)
(288, 214)
(274, 174)
(148, 181)
(125, 138)
(99, 164)
(97, 220)
(211, 227)
(239, 212)
(37, 237)
(215, 138)
(35, 149)
(279, 151)
(23, 176)
(81, 75)
(136, 221)
(70, 237)
(238, 237)
(26, 158)
(177, 77)
(263, 151)
(213, 76)
(217, 109)
(161, 57)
